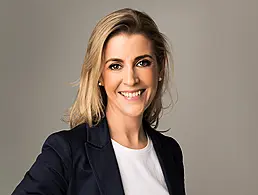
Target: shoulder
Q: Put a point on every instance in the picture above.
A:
(53, 168)
(167, 142)
(77, 133)
(65, 142)
(72, 137)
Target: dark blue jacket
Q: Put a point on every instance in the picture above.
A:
(81, 161)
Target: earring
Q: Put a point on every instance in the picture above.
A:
(160, 79)
(99, 83)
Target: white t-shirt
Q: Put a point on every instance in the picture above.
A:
(140, 170)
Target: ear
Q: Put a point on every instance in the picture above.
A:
(162, 67)
(101, 81)
(161, 73)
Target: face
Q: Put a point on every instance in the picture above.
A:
(130, 74)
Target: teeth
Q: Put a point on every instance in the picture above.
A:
(130, 95)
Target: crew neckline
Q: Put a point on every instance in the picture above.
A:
(130, 150)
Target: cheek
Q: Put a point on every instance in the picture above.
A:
(111, 82)
(149, 77)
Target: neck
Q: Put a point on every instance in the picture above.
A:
(126, 130)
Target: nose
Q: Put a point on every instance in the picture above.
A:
(130, 77)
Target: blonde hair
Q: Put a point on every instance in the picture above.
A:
(89, 106)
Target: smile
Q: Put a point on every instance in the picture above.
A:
(132, 94)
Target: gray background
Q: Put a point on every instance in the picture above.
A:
(42, 45)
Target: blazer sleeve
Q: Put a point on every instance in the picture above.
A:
(50, 173)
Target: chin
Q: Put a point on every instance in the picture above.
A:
(127, 109)
(133, 112)
(134, 115)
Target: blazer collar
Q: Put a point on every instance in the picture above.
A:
(103, 161)
(166, 159)
(99, 135)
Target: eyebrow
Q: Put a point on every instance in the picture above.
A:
(136, 59)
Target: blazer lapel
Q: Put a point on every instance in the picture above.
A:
(102, 159)
(165, 157)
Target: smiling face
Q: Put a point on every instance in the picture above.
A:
(130, 74)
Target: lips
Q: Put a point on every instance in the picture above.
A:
(131, 94)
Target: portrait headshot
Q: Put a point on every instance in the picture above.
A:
(112, 146)
(128, 98)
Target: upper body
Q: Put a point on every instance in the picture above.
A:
(122, 81)
(82, 161)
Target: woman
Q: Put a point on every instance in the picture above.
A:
(111, 148)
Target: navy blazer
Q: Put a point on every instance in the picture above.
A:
(81, 161)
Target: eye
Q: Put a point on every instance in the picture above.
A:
(115, 67)
(143, 63)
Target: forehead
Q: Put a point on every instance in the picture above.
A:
(127, 46)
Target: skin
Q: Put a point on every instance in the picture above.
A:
(129, 66)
